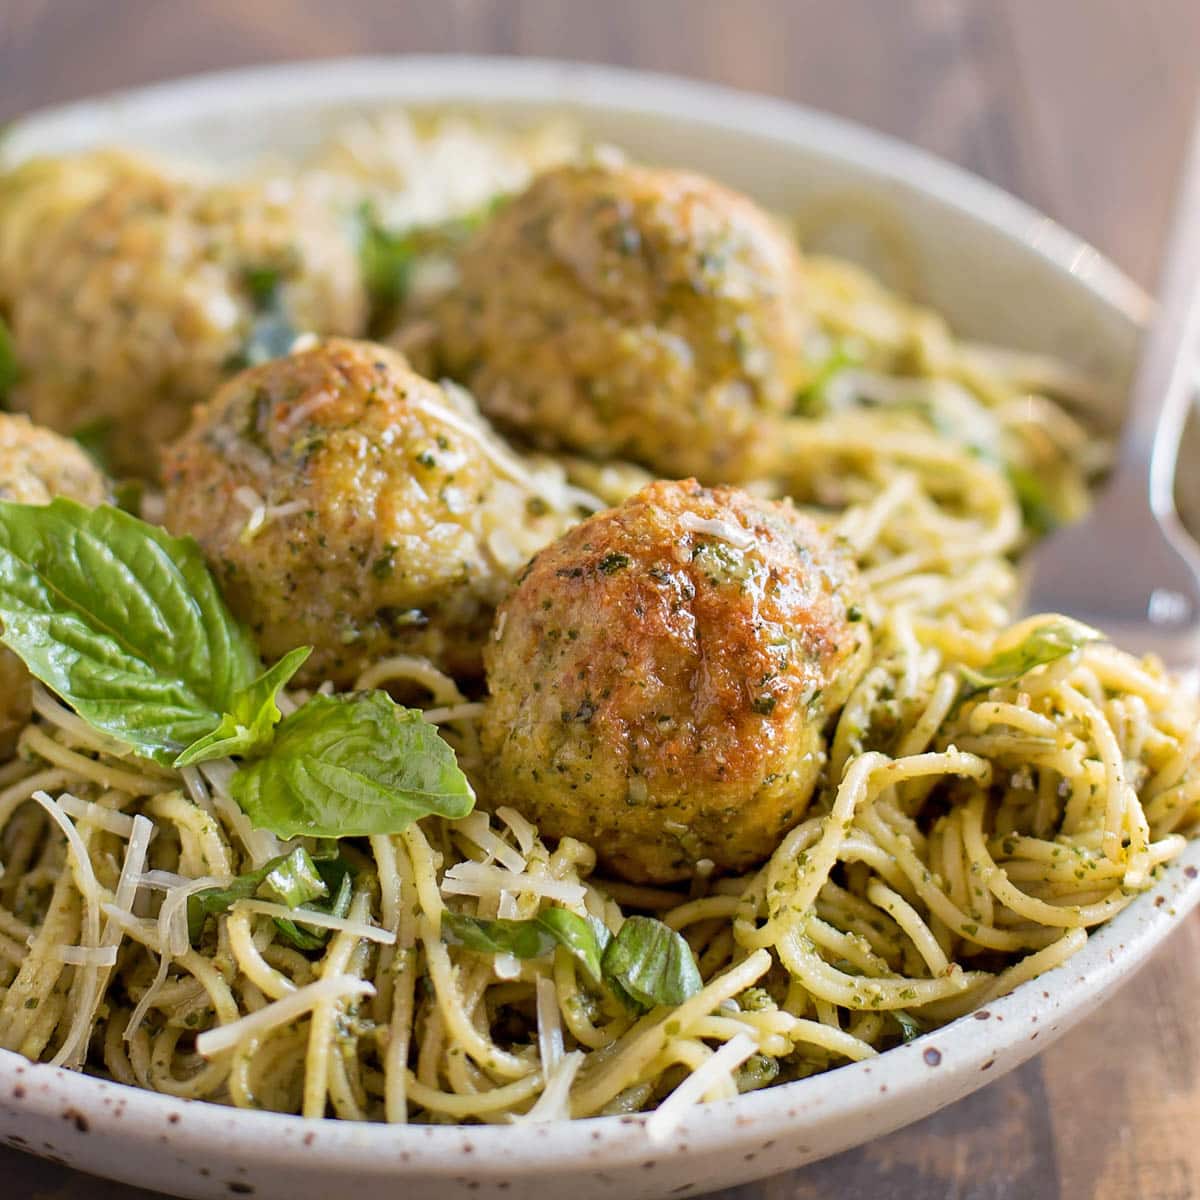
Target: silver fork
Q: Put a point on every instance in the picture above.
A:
(1129, 568)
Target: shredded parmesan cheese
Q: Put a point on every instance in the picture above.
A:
(81, 956)
(552, 1104)
(522, 830)
(664, 1120)
(319, 920)
(294, 1004)
(477, 828)
(476, 879)
(85, 879)
(172, 942)
(507, 966)
(96, 814)
(550, 1034)
(726, 531)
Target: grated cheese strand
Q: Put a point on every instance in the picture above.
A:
(96, 814)
(476, 879)
(553, 1104)
(280, 1012)
(550, 1034)
(663, 1121)
(318, 920)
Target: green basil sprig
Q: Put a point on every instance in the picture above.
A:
(348, 766)
(645, 965)
(125, 623)
(248, 726)
(1045, 644)
(121, 620)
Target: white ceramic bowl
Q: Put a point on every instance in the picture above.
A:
(1000, 271)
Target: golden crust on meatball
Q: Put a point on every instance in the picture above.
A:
(37, 464)
(633, 311)
(132, 293)
(347, 503)
(661, 677)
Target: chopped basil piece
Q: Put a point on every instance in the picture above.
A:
(1047, 643)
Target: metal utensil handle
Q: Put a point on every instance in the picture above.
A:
(1165, 379)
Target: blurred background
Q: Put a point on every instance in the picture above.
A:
(1078, 106)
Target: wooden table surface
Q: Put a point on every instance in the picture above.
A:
(1080, 107)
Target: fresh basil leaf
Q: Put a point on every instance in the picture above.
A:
(350, 766)
(1037, 512)
(290, 879)
(10, 370)
(263, 284)
(651, 964)
(534, 937)
(389, 256)
(1046, 644)
(338, 877)
(293, 881)
(811, 400)
(247, 728)
(387, 260)
(522, 939)
(585, 937)
(121, 620)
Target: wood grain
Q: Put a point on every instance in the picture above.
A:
(1080, 107)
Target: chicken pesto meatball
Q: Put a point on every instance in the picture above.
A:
(661, 677)
(633, 311)
(346, 503)
(35, 466)
(131, 293)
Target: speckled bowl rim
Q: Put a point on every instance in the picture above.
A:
(917, 1078)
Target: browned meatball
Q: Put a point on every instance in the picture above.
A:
(132, 293)
(635, 311)
(35, 466)
(346, 503)
(661, 678)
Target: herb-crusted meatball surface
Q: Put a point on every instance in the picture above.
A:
(661, 677)
(35, 466)
(132, 293)
(636, 311)
(347, 503)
